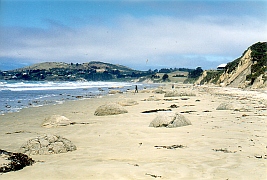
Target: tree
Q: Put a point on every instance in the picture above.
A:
(195, 73)
(164, 77)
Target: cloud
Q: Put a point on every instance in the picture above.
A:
(164, 40)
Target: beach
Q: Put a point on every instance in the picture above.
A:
(220, 144)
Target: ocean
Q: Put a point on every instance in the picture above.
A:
(16, 95)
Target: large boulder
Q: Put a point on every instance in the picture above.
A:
(127, 102)
(110, 109)
(169, 120)
(55, 121)
(48, 144)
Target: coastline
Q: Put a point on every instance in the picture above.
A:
(123, 146)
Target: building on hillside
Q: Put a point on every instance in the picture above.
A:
(221, 67)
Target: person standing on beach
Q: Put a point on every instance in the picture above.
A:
(136, 89)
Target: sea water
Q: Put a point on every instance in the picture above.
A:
(15, 95)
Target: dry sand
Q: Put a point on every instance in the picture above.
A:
(220, 144)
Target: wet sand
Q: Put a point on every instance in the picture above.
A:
(220, 144)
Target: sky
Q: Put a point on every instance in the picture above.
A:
(140, 34)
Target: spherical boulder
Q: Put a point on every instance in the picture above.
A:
(110, 109)
(169, 120)
(225, 106)
(55, 121)
(127, 102)
(48, 144)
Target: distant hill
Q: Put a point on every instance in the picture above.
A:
(60, 71)
(249, 70)
(93, 71)
(83, 66)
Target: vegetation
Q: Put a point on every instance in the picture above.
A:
(212, 76)
(92, 71)
(259, 58)
(231, 66)
(195, 73)
(165, 77)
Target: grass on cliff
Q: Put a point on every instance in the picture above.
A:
(212, 77)
(259, 59)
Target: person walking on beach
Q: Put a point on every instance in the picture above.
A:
(136, 89)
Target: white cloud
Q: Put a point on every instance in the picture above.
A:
(130, 41)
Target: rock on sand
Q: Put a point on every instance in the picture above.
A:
(55, 121)
(225, 106)
(48, 144)
(174, 93)
(169, 120)
(128, 102)
(110, 109)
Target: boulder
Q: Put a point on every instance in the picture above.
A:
(110, 109)
(174, 93)
(115, 92)
(152, 98)
(127, 102)
(159, 91)
(55, 121)
(225, 106)
(169, 120)
(48, 144)
(144, 91)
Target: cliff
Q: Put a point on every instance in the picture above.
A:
(247, 71)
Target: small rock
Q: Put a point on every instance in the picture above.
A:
(225, 106)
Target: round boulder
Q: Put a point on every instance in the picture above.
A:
(128, 102)
(225, 106)
(110, 109)
(48, 144)
(172, 94)
(169, 120)
(152, 98)
(159, 91)
(55, 121)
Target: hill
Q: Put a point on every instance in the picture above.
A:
(247, 71)
(83, 66)
(60, 71)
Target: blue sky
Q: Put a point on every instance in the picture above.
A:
(166, 33)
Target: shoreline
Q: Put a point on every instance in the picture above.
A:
(14, 98)
(124, 147)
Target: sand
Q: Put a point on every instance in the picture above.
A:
(220, 144)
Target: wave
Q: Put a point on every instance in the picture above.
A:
(37, 85)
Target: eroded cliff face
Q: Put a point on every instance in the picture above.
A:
(237, 77)
(248, 71)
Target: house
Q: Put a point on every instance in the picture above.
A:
(221, 67)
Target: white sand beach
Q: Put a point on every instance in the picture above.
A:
(220, 144)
